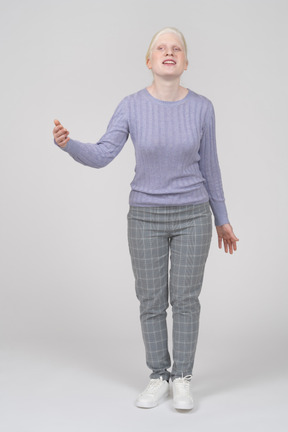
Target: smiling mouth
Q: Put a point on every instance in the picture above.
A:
(169, 62)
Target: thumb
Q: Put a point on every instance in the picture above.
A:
(56, 122)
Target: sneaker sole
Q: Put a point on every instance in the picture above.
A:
(183, 406)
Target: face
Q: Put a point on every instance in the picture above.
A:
(167, 56)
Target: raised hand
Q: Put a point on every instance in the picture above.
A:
(227, 236)
(60, 134)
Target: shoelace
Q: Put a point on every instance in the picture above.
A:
(153, 385)
(182, 385)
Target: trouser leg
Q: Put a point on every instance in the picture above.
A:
(189, 251)
(149, 252)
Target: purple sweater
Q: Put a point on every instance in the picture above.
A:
(175, 149)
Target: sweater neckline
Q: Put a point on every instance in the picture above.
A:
(160, 101)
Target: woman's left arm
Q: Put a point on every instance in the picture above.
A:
(210, 169)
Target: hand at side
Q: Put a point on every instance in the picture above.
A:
(227, 237)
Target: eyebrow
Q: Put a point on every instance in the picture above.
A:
(175, 45)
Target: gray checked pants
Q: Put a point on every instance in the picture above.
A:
(183, 233)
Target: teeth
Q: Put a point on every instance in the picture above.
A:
(169, 61)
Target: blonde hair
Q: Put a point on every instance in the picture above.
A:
(164, 31)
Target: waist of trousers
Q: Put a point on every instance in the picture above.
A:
(166, 214)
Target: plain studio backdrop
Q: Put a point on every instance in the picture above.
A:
(72, 356)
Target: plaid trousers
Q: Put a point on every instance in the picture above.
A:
(184, 233)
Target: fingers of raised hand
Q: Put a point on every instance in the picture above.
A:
(63, 141)
(61, 135)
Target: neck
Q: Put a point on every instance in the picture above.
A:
(167, 90)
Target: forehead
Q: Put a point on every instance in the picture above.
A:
(168, 38)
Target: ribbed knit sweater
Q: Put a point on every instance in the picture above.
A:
(175, 150)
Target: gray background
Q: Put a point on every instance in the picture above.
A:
(72, 356)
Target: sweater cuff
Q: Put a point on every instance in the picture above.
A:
(220, 212)
(67, 146)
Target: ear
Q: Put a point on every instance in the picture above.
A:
(148, 63)
(186, 67)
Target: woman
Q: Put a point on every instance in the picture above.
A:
(177, 180)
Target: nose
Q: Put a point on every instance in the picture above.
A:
(167, 53)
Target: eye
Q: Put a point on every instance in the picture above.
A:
(160, 47)
(177, 49)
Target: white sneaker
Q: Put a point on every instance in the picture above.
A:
(156, 390)
(182, 393)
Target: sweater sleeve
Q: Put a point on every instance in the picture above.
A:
(210, 169)
(101, 153)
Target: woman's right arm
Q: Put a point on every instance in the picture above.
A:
(101, 153)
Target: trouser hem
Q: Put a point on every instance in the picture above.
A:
(165, 375)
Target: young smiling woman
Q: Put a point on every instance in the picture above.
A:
(168, 60)
(177, 183)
